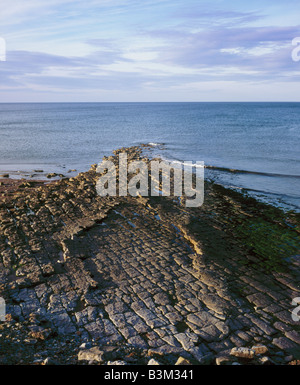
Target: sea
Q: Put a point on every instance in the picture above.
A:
(250, 147)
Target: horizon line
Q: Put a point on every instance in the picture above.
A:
(139, 102)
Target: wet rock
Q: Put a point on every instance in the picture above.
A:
(51, 175)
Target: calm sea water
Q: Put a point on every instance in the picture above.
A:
(254, 146)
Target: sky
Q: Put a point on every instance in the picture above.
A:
(149, 50)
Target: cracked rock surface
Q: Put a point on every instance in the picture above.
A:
(93, 279)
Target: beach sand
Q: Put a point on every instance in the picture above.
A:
(91, 279)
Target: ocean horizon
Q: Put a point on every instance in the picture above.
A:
(249, 146)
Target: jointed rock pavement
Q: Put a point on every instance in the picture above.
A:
(91, 279)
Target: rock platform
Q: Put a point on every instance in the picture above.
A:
(88, 279)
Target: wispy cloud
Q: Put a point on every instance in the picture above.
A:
(260, 49)
(124, 49)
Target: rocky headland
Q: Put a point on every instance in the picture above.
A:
(138, 280)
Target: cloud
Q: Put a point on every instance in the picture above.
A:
(154, 46)
(264, 51)
(217, 17)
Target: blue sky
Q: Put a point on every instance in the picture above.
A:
(149, 50)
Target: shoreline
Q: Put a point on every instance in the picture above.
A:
(52, 174)
(9, 186)
(132, 279)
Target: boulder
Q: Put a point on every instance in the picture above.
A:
(94, 354)
(243, 353)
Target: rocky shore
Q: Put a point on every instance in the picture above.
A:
(128, 280)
